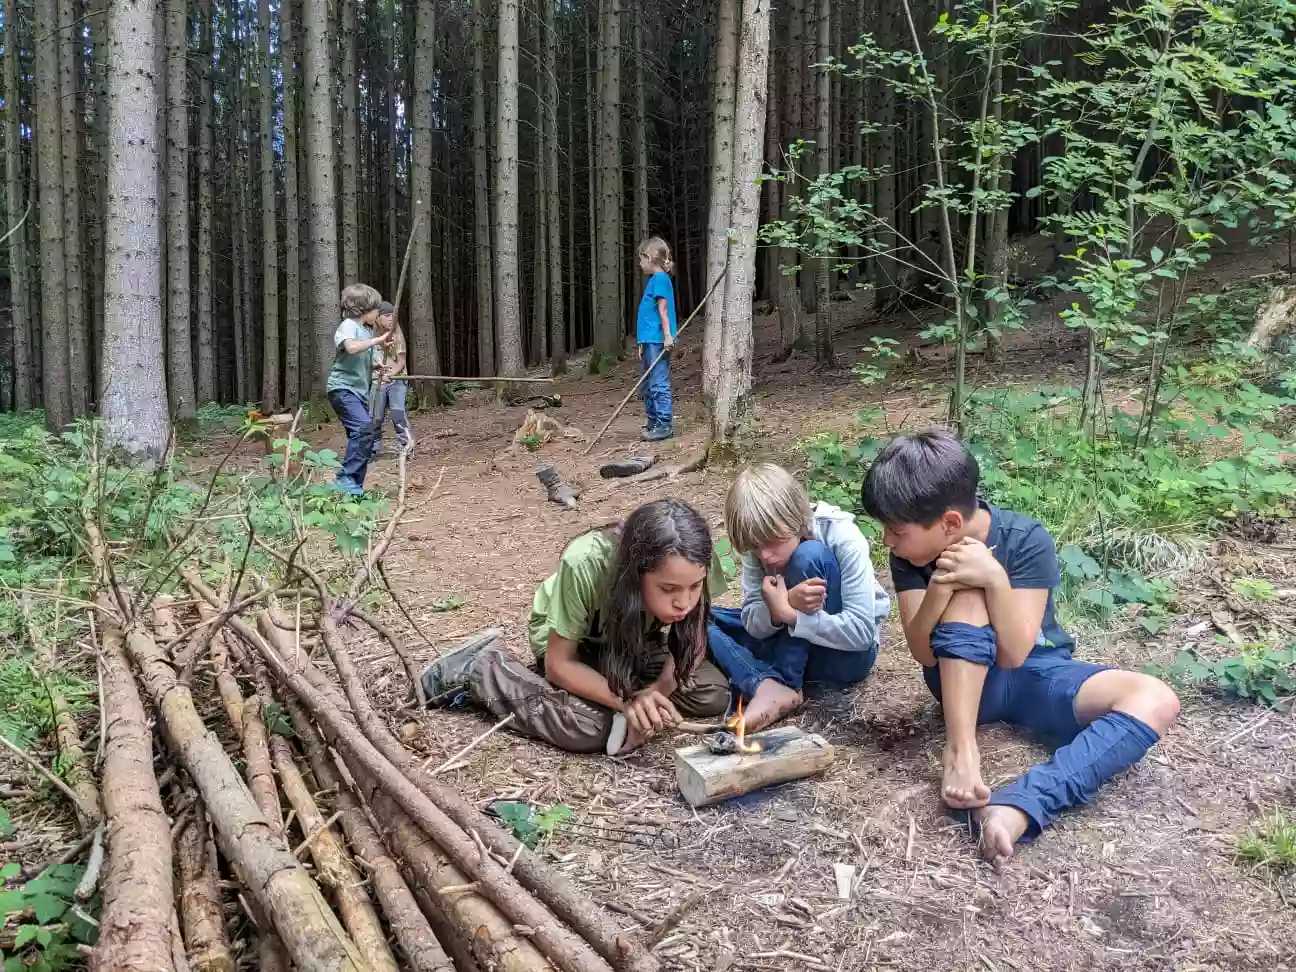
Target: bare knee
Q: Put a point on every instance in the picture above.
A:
(967, 607)
(1152, 701)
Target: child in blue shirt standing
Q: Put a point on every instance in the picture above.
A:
(655, 329)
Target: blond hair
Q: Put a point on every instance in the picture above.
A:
(358, 299)
(766, 503)
(658, 251)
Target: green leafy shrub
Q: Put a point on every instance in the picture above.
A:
(1257, 672)
(1270, 843)
(50, 924)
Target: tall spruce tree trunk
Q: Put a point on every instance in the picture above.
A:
(884, 265)
(134, 404)
(74, 281)
(317, 80)
(608, 325)
(349, 138)
(508, 308)
(422, 327)
(640, 132)
(731, 398)
(720, 209)
(292, 214)
(809, 122)
(823, 150)
(558, 319)
(271, 398)
(390, 87)
(98, 31)
(24, 393)
(49, 165)
(769, 262)
(205, 377)
(790, 303)
(481, 198)
(180, 376)
(591, 172)
(540, 260)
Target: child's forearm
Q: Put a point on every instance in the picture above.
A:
(666, 683)
(664, 318)
(579, 679)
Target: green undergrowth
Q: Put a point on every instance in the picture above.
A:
(49, 923)
(1270, 843)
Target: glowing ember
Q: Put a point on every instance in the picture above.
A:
(738, 723)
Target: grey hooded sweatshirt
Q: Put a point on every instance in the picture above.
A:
(864, 603)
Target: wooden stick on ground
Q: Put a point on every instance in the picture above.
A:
(647, 371)
(201, 916)
(484, 378)
(423, 949)
(310, 932)
(135, 925)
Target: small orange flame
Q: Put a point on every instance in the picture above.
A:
(738, 723)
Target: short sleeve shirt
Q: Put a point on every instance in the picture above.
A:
(1029, 557)
(648, 323)
(350, 372)
(569, 600)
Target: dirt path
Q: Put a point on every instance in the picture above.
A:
(1142, 879)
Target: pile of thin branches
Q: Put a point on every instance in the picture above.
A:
(315, 840)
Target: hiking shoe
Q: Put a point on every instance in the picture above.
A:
(345, 484)
(657, 433)
(627, 467)
(447, 677)
(557, 491)
(616, 738)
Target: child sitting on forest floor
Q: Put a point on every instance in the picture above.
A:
(976, 588)
(811, 605)
(619, 633)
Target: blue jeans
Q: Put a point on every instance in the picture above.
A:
(358, 423)
(1040, 697)
(656, 389)
(748, 660)
(391, 401)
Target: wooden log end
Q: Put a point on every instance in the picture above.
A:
(787, 753)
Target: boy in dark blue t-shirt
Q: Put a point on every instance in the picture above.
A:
(975, 587)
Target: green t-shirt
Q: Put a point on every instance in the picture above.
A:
(569, 600)
(351, 372)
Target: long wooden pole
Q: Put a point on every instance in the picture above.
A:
(475, 378)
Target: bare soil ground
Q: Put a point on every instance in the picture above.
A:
(1145, 878)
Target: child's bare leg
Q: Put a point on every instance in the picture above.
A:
(961, 685)
(772, 701)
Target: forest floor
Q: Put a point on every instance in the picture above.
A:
(1143, 878)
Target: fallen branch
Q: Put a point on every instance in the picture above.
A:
(135, 924)
(423, 951)
(202, 918)
(310, 932)
(449, 763)
(402, 652)
(46, 775)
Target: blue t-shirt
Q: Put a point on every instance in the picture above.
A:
(648, 323)
(1029, 557)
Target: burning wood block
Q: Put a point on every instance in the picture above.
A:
(786, 753)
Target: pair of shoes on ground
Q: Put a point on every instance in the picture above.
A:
(658, 432)
(447, 678)
(622, 468)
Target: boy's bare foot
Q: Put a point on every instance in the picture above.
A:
(1001, 828)
(772, 701)
(633, 740)
(962, 786)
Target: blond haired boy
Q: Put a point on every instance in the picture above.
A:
(347, 384)
(811, 605)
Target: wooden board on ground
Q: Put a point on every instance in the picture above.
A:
(787, 753)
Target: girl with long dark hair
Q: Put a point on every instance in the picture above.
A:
(619, 633)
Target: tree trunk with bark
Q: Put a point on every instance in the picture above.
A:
(720, 210)
(74, 281)
(207, 945)
(608, 325)
(557, 317)
(180, 376)
(884, 266)
(205, 377)
(292, 213)
(481, 197)
(733, 385)
(508, 307)
(24, 393)
(422, 322)
(317, 74)
(640, 131)
(49, 165)
(134, 398)
(271, 397)
(789, 290)
(349, 138)
(824, 355)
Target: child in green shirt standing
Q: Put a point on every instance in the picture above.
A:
(348, 380)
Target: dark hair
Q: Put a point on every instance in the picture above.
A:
(649, 535)
(386, 307)
(916, 478)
